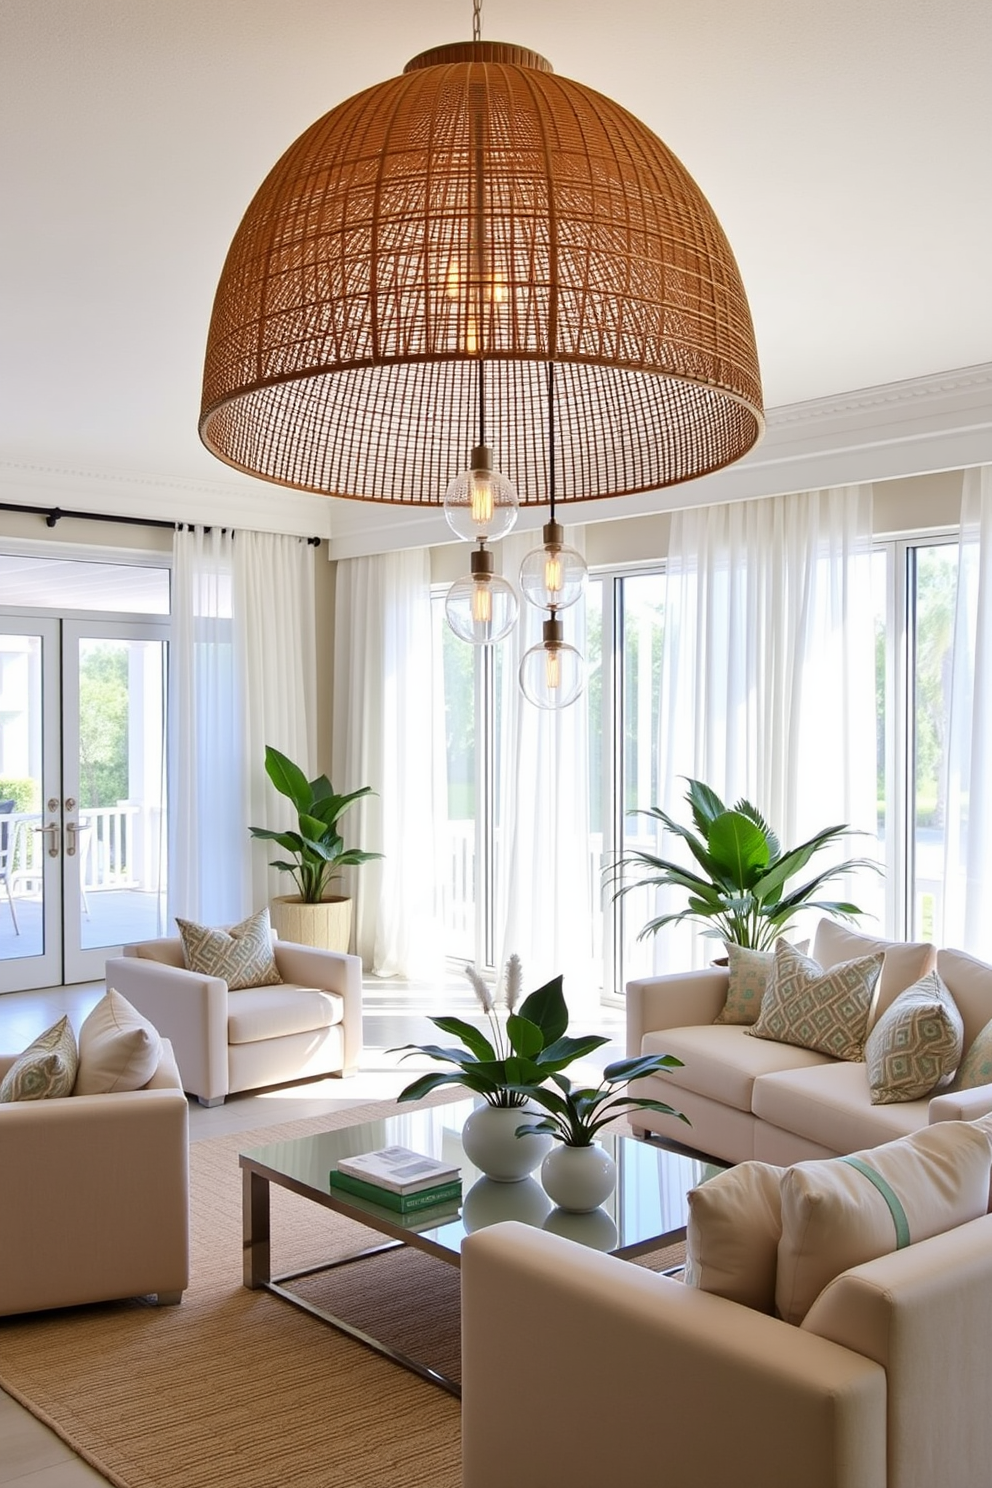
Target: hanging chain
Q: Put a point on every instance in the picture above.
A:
(476, 20)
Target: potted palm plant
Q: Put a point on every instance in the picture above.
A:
(578, 1173)
(739, 886)
(313, 916)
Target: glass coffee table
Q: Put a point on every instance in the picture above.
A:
(647, 1210)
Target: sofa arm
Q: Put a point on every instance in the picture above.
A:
(685, 1000)
(647, 1381)
(188, 1009)
(96, 1197)
(333, 971)
(961, 1105)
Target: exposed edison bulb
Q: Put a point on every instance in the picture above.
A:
(480, 505)
(481, 608)
(552, 674)
(553, 577)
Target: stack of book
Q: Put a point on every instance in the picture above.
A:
(398, 1179)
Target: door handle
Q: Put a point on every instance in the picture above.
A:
(52, 832)
(70, 839)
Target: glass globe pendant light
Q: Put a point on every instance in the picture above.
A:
(481, 607)
(552, 577)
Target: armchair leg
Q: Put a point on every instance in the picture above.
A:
(168, 1299)
(215, 1100)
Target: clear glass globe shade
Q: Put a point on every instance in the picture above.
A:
(552, 676)
(481, 610)
(480, 505)
(553, 578)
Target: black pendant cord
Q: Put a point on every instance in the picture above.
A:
(551, 438)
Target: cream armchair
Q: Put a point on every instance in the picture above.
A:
(308, 1024)
(95, 1196)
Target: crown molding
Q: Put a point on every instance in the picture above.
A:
(913, 427)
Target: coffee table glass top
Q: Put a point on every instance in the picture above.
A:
(647, 1208)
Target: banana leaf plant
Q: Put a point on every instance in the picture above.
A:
(739, 886)
(317, 846)
(576, 1115)
(522, 1052)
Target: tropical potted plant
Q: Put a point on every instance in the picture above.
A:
(522, 1050)
(578, 1173)
(739, 889)
(314, 916)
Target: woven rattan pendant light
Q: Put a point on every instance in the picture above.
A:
(479, 215)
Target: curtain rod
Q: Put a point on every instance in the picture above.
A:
(53, 514)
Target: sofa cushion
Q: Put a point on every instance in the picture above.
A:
(257, 1013)
(46, 1069)
(816, 1009)
(118, 1048)
(847, 1210)
(242, 956)
(748, 978)
(905, 961)
(969, 982)
(976, 1067)
(721, 1062)
(735, 1223)
(831, 1105)
(915, 1047)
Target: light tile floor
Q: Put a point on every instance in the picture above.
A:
(31, 1456)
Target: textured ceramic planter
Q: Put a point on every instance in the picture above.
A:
(490, 1142)
(326, 925)
(578, 1178)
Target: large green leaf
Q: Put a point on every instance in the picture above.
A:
(638, 1066)
(739, 848)
(565, 1051)
(705, 805)
(473, 1038)
(546, 1007)
(288, 779)
(753, 814)
(525, 1037)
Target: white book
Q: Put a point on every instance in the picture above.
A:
(399, 1169)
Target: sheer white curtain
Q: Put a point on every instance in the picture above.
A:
(242, 675)
(768, 687)
(546, 879)
(383, 736)
(967, 888)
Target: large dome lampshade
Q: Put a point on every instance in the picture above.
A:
(429, 246)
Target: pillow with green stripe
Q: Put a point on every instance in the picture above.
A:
(843, 1211)
(46, 1069)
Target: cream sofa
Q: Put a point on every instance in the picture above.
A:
(95, 1201)
(753, 1098)
(645, 1381)
(308, 1024)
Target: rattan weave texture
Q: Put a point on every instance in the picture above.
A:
(479, 206)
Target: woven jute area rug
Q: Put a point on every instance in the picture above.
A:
(236, 1389)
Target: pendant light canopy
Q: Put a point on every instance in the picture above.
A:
(475, 219)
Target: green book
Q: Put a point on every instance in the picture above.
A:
(423, 1198)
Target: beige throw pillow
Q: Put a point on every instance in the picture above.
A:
(749, 972)
(735, 1223)
(915, 1047)
(47, 1067)
(241, 956)
(118, 1048)
(811, 1008)
(835, 1214)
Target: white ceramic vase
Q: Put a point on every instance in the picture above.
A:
(578, 1178)
(488, 1203)
(491, 1144)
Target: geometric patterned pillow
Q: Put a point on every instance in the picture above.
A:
(241, 956)
(749, 973)
(46, 1069)
(915, 1047)
(976, 1067)
(815, 1009)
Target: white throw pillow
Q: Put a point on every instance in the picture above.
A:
(842, 1211)
(735, 1223)
(118, 1048)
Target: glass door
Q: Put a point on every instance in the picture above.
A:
(82, 766)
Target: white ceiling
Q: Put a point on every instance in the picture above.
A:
(845, 145)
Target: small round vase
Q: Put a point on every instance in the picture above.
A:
(491, 1144)
(578, 1179)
